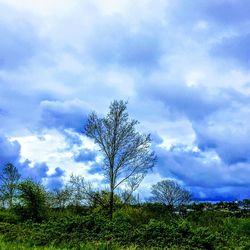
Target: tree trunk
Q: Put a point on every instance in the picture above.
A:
(111, 197)
(111, 203)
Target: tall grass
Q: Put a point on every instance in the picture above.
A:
(89, 246)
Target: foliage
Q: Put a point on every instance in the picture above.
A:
(8, 216)
(32, 201)
(133, 226)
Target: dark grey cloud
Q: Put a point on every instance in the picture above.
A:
(96, 168)
(220, 194)
(219, 117)
(230, 143)
(194, 102)
(85, 155)
(36, 172)
(20, 108)
(72, 139)
(201, 172)
(9, 151)
(55, 180)
(68, 114)
(54, 184)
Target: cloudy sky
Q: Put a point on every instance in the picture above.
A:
(183, 66)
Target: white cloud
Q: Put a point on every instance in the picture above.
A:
(53, 148)
(44, 8)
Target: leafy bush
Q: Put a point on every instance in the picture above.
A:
(32, 205)
(131, 226)
(8, 216)
(135, 215)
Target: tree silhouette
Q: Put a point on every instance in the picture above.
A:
(127, 153)
(170, 193)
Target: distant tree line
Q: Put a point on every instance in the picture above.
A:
(31, 200)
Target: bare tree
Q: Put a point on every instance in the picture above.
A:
(60, 198)
(170, 193)
(127, 153)
(77, 192)
(81, 190)
(126, 193)
(9, 179)
(83, 193)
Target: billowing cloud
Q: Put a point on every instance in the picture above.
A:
(182, 65)
(190, 101)
(114, 42)
(227, 133)
(85, 156)
(19, 43)
(203, 171)
(68, 114)
(11, 153)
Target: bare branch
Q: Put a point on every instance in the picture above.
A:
(127, 153)
(170, 193)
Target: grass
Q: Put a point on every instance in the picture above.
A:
(89, 246)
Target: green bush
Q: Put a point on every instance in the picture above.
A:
(32, 202)
(131, 226)
(8, 216)
(135, 215)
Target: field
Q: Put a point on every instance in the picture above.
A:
(146, 226)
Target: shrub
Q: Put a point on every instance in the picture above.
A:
(8, 216)
(32, 205)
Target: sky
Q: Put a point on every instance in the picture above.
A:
(183, 66)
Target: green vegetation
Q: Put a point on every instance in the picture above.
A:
(96, 246)
(147, 225)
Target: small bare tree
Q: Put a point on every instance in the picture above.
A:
(127, 153)
(170, 193)
(77, 192)
(60, 198)
(9, 179)
(81, 190)
(83, 193)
